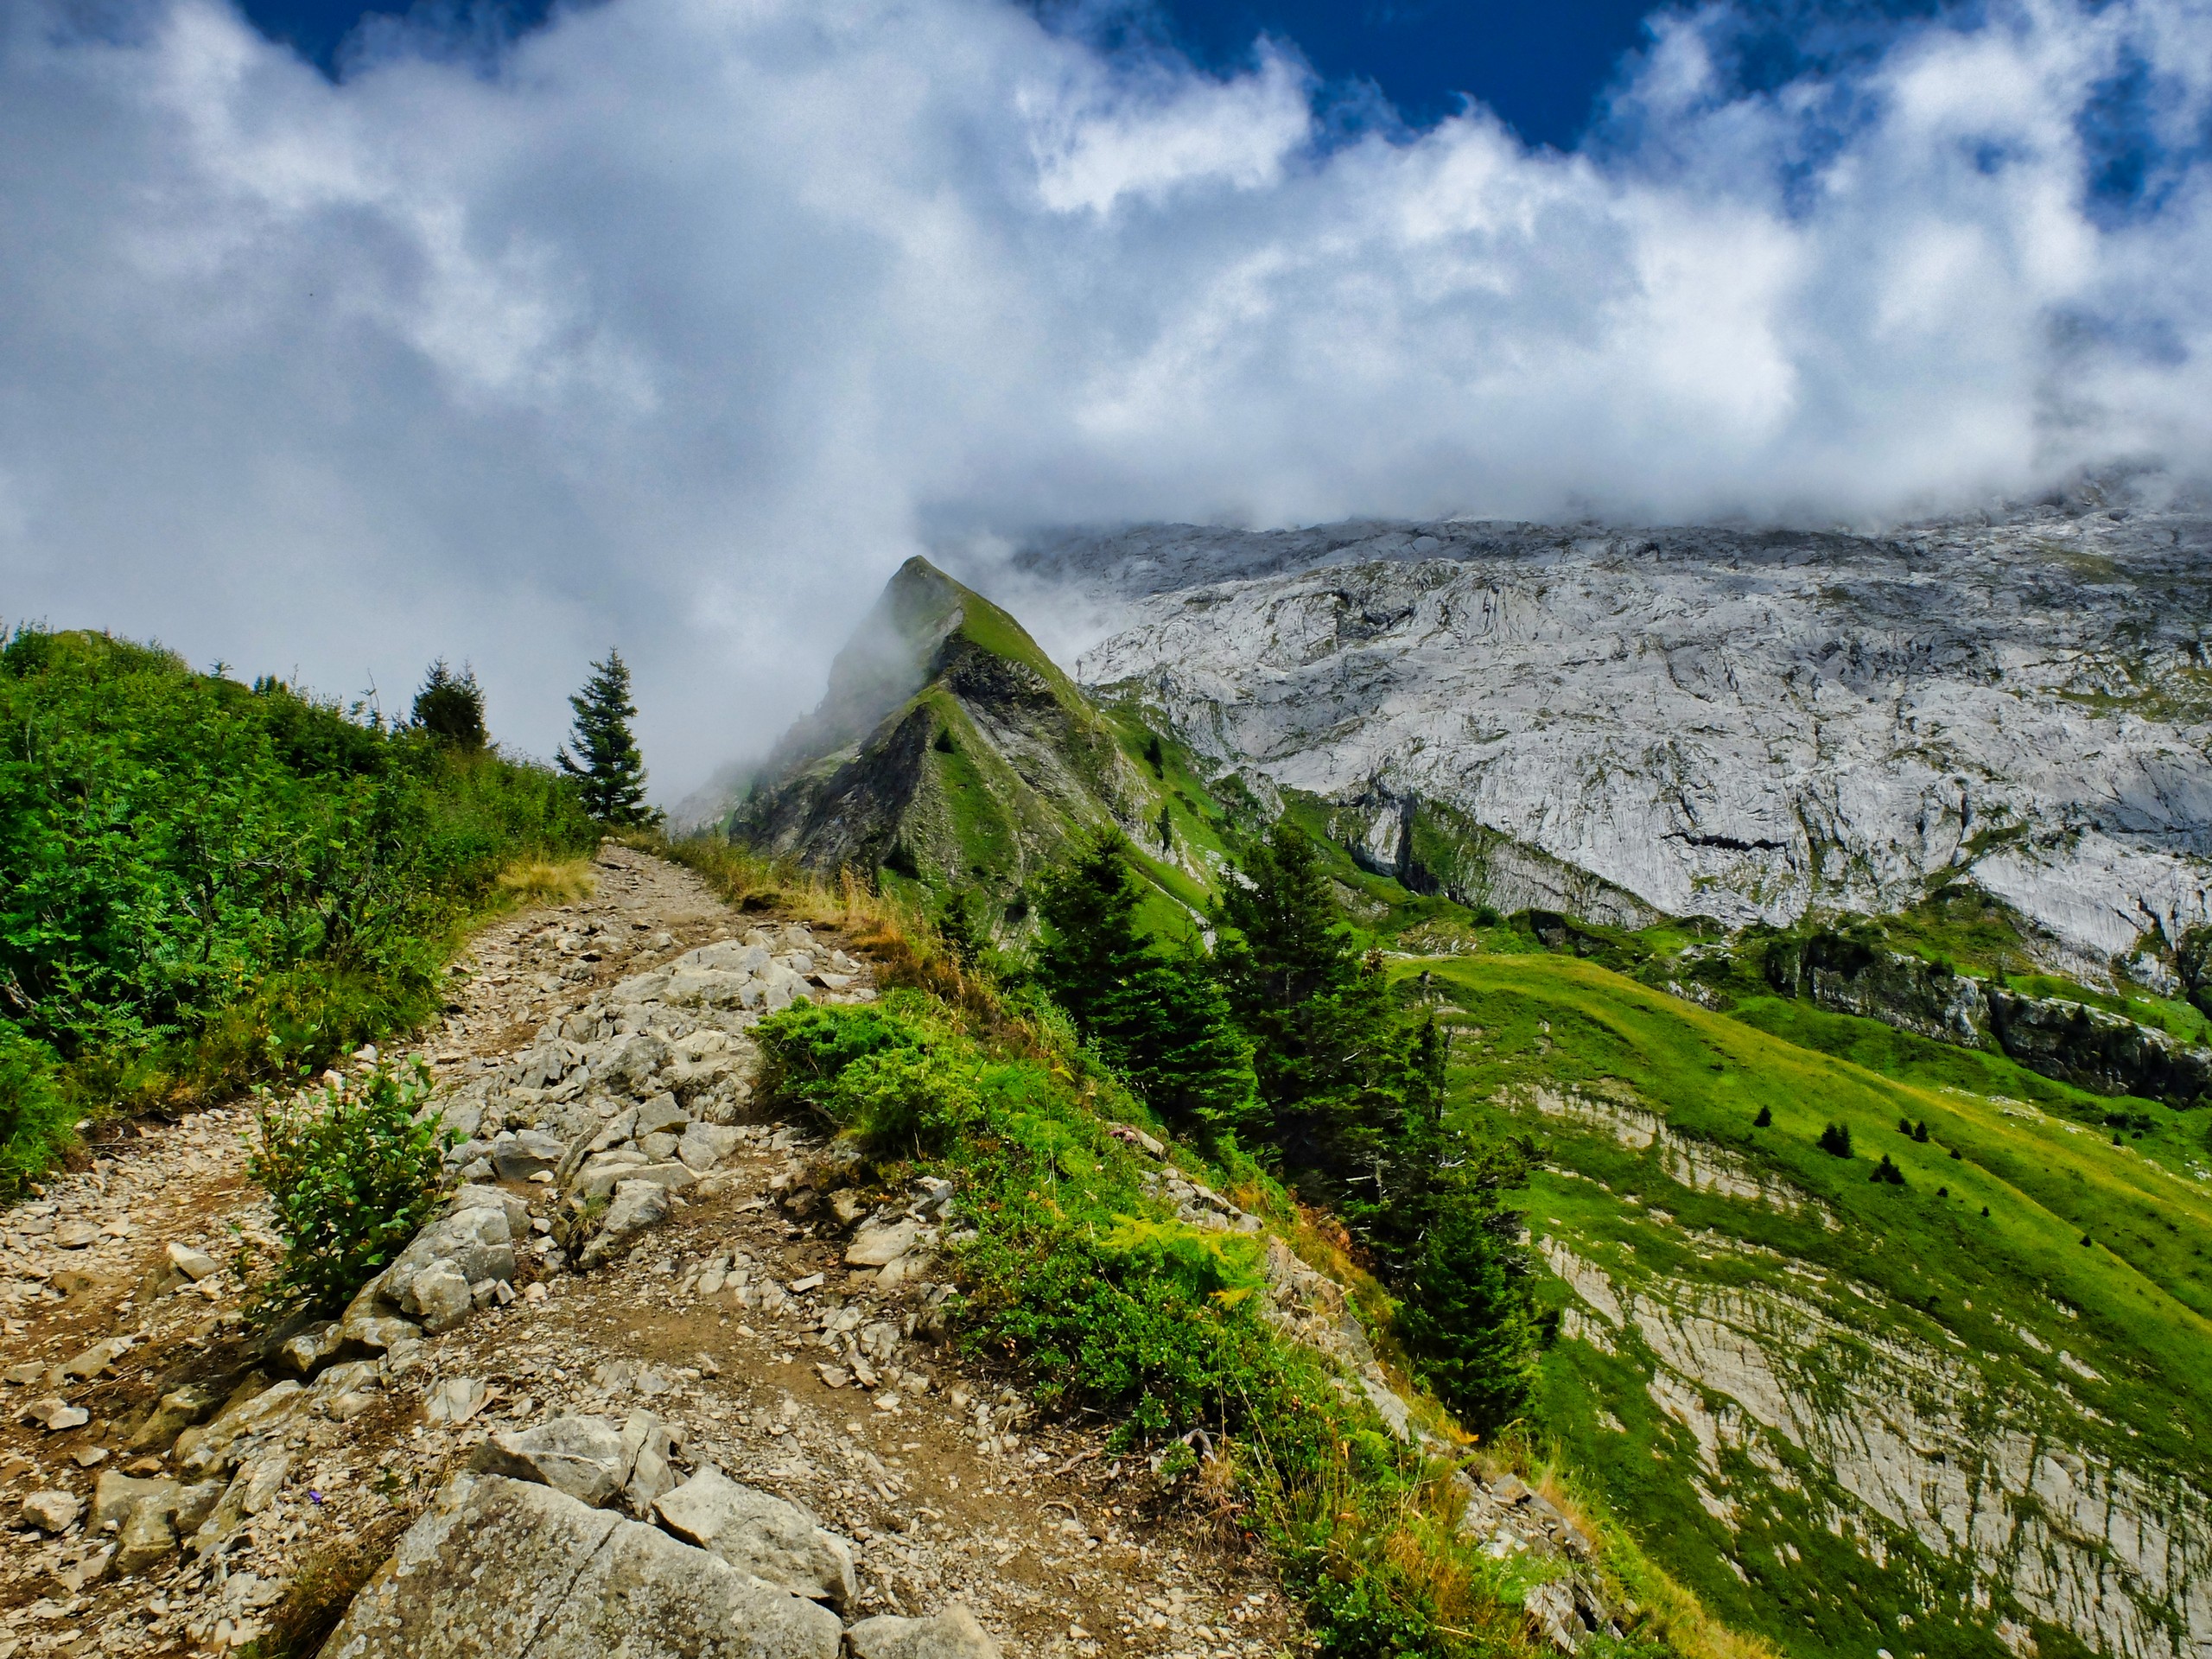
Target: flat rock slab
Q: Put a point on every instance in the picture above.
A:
(953, 1634)
(761, 1534)
(496, 1568)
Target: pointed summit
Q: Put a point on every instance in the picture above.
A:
(949, 749)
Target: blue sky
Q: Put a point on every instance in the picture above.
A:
(1540, 64)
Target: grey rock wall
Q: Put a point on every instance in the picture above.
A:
(1737, 724)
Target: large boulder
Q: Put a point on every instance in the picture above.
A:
(499, 1568)
(881, 1243)
(476, 1240)
(637, 1205)
(490, 1197)
(629, 1061)
(725, 956)
(519, 1155)
(762, 1535)
(439, 1296)
(241, 1426)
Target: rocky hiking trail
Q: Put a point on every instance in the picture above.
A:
(650, 1384)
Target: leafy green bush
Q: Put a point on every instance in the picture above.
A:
(352, 1173)
(35, 1120)
(202, 883)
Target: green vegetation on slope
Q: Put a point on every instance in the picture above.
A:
(2086, 1281)
(952, 758)
(1079, 1273)
(203, 883)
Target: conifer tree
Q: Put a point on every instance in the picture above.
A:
(450, 706)
(1466, 1311)
(1324, 1038)
(608, 767)
(1355, 1094)
(966, 933)
(1161, 1021)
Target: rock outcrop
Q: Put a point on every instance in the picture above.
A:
(1916, 1455)
(1731, 724)
(2073, 1041)
(498, 1568)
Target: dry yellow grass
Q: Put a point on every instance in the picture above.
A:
(542, 881)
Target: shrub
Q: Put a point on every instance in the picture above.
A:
(1764, 1119)
(916, 1096)
(805, 1049)
(35, 1119)
(1887, 1171)
(1835, 1141)
(353, 1173)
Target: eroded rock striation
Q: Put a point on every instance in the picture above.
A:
(1738, 724)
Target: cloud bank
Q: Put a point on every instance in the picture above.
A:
(679, 323)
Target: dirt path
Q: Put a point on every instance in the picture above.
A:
(715, 1322)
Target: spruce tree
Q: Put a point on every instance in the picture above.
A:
(609, 769)
(450, 706)
(1324, 1038)
(1466, 1311)
(1161, 1021)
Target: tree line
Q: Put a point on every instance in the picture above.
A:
(1286, 1040)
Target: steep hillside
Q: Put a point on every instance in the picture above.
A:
(1849, 1412)
(951, 752)
(1741, 725)
(1962, 1409)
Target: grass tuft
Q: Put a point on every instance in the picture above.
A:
(545, 882)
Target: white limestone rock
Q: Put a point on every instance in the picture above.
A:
(498, 1568)
(1738, 724)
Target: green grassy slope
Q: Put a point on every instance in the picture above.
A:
(971, 768)
(2007, 1324)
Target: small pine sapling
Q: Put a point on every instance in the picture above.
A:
(1835, 1141)
(1764, 1119)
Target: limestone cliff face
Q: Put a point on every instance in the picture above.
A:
(2061, 1039)
(1925, 1461)
(1741, 725)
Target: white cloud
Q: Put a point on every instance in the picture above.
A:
(681, 322)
